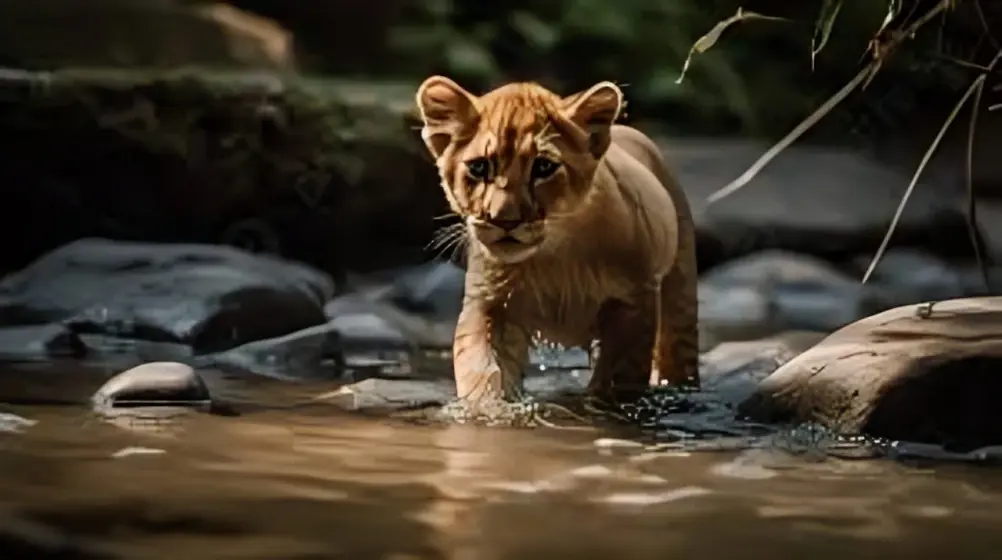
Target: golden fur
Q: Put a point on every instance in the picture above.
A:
(577, 233)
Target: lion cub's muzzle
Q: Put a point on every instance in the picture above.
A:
(507, 240)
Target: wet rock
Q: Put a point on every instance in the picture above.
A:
(208, 297)
(822, 201)
(904, 374)
(314, 352)
(392, 394)
(362, 325)
(368, 322)
(40, 343)
(325, 172)
(126, 352)
(152, 389)
(774, 291)
(733, 370)
(433, 290)
(905, 276)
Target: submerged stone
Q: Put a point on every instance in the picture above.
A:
(155, 388)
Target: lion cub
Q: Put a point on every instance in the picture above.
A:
(578, 233)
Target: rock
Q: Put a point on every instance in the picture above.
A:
(344, 38)
(314, 352)
(733, 370)
(114, 351)
(152, 387)
(822, 201)
(330, 173)
(40, 343)
(905, 276)
(209, 297)
(366, 321)
(899, 375)
(139, 33)
(772, 291)
(433, 290)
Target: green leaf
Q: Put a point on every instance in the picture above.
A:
(823, 27)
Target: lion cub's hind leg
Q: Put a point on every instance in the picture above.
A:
(676, 350)
(627, 331)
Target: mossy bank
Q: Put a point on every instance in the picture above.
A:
(331, 173)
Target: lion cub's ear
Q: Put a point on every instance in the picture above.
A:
(594, 110)
(446, 108)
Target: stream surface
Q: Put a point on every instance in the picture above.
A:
(288, 479)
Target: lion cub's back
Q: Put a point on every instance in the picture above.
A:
(644, 150)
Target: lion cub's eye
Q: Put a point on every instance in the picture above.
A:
(479, 169)
(543, 167)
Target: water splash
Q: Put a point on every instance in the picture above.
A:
(546, 356)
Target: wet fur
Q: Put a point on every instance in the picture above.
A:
(608, 250)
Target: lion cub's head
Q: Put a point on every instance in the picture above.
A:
(516, 160)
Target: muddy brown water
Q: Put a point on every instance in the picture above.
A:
(286, 480)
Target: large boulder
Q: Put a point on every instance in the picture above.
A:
(828, 202)
(328, 173)
(208, 297)
(909, 373)
(47, 34)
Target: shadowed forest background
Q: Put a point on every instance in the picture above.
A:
(274, 124)
(306, 381)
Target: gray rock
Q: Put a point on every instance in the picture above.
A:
(817, 200)
(733, 370)
(40, 343)
(112, 349)
(151, 388)
(314, 352)
(733, 312)
(433, 290)
(906, 276)
(774, 291)
(361, 325)
(366, 321)
(208, 297)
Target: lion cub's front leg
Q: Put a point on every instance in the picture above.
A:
(626, 334)
(489, 355)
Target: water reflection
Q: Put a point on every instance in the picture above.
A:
(292, 480)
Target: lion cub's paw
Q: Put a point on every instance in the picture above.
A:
(492, 412)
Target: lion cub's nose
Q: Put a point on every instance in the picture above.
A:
(506, 225)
